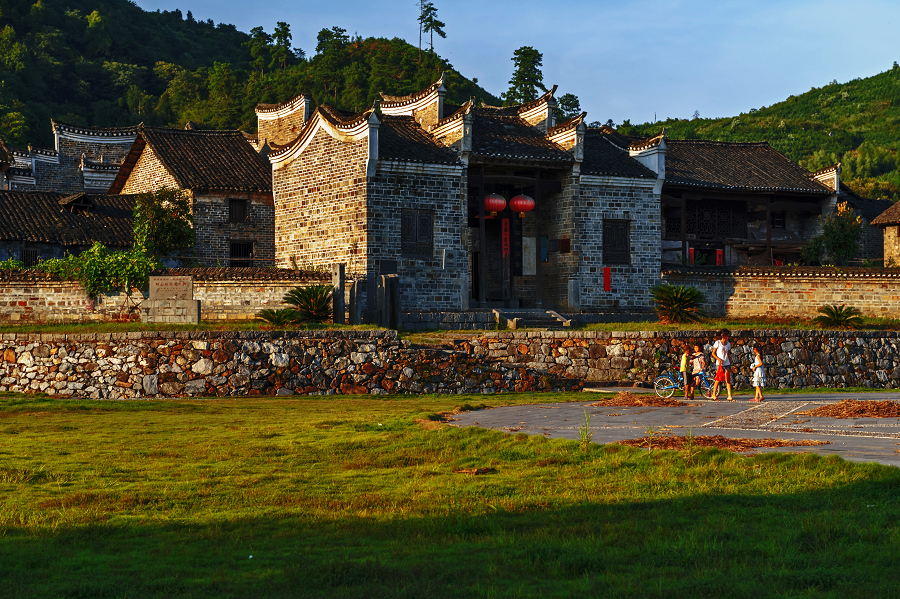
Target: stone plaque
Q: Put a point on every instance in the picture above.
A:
(529, 257)
(169, 288)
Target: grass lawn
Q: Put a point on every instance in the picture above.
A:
(352, 497)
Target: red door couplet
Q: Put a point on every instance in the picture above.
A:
(720, 257)
(607, 279)
(505, 237)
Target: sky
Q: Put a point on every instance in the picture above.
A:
(625, 59)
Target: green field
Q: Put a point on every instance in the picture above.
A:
(356, 497)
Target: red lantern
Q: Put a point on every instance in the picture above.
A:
(521, 204)
(494, 203)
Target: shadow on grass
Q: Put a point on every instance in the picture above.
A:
(842, 542)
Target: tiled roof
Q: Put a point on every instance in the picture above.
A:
(868, 208)
(401, 138)
(736, 166)
(400, 100)
(603, 158)
(202, 160)
(293, 102)
(498, 133)
(39, 217)
(891, 216)
(98, 131)
(249, 273)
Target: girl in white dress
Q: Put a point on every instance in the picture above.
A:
(759, 375)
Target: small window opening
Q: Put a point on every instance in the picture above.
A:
(241, 253)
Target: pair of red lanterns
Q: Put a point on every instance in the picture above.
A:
(494, 203)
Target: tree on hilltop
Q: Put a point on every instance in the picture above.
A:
(527, 79)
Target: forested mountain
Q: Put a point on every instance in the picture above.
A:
(856, 123)
(109, 63)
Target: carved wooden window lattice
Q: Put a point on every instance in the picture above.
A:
(417, 234)
(709, 219)
(616, 243)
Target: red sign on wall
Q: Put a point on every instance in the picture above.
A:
(720, 257)
(607, 278)
(505, 237)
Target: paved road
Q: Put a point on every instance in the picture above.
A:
(855, 439)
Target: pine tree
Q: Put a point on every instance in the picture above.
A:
(429, 23)
(527, 77)
(281, 50)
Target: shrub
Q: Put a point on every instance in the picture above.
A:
(678, 303)
(311, 303)
(840, 317)
(841, 235)
(279, 318)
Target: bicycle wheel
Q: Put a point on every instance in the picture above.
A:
(705, 389)
(664, 386)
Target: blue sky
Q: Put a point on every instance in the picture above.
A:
(623, 59)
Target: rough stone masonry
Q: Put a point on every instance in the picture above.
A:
(238, 363)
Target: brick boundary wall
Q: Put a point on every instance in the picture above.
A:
(238, 363)
(791, 291)
(793, 358)
(28, 296)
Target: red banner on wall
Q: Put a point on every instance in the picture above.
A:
(505, 237)
(607, 279)
(720, 257)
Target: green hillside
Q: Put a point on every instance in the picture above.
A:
(856, 123)
(109, 63)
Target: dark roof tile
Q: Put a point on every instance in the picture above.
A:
(501, 133)
(35, 216)
(401, 138)
(202, 160)
(736, 166)
(891, 216)
(602, 157)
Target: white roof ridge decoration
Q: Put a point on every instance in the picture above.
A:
(388, 101)
(95, 131)
(284, 108)
(351, 130)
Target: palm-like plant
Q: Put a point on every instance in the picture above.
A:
(839, 317)
(678, 303)
(279, 318)
(311, 303)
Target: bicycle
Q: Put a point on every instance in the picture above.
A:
(666, 384)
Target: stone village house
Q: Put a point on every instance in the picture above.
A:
(229, 183)
(84, 159)
(41, 225)
(400, 189)
(889, 223)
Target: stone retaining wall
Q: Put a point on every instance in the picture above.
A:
(793, 359)
(785, 292)
(238, 363)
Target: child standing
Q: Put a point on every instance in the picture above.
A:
(698, 364)
(759, 375)
(685, 376)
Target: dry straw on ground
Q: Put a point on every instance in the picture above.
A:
(740, 445)
(854, 408)
(630, 400)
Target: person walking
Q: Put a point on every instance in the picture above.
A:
(759, 375)
(686, 378)
(722, 356)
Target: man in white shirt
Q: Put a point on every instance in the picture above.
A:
(722, 356)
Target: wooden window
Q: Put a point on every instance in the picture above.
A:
(616, 242)
(417, 234)
(778, 219)
(237, 211)
(30, 258)
(241, 253)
